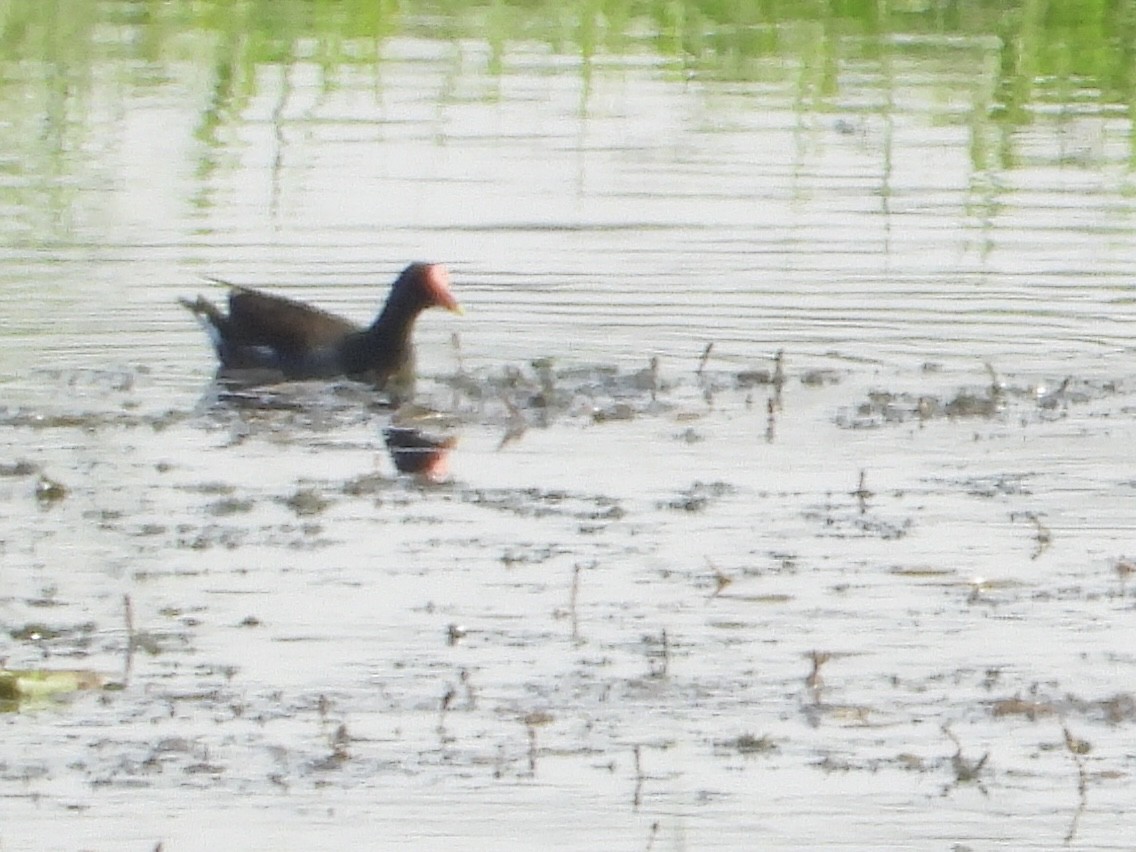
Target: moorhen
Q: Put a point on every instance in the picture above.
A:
(278, 338)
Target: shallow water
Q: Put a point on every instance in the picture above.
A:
(881, 604)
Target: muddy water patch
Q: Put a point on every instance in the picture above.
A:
(647, 638)
(1001, 399)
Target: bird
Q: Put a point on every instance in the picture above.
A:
(273, 338)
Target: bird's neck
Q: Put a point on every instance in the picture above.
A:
(396, 321)
(385, 346)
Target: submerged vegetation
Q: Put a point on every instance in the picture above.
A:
(998, 66)
(1027, 52)
(1088, 45)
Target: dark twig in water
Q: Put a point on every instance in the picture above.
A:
(128, 615)
(977, 586)
(637, 798)
(447, 701)
(454, 634)
(665, 655)
(573, 598)
(546, 375)
(651, 376)
(456, 343)
(814, 681)
(515, 426)
(533, 721)
(778, 378)
(339, 742)
(1125, 568)
(532, 748)
(862, 494)
(721, 581)
(996, 385)
(1052, 399)
(654, 834)
(470, 692)
(499, 762)
(1043, 538)
(1077, 749)
(705, 357)
(966, 771)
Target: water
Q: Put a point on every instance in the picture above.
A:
(878, 606)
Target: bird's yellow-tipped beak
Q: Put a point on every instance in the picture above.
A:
(436, 281)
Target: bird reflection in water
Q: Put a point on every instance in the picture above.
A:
(419, 453)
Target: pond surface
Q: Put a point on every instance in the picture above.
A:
(793, 399)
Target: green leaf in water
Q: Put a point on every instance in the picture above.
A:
(33, 684)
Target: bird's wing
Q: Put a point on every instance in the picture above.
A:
(257, 318)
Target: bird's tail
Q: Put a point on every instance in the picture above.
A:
(203, 309)
(211, 319)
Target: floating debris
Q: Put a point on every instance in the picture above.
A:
(18, 685)
(18, 468)
(615, 411)
(991, 402)
(820, 378)
(48, 491)
(539, 503)
(698, 496)
(366, 485)
(230, 506)
(751, 378)
(748, 744)
(307, 501)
